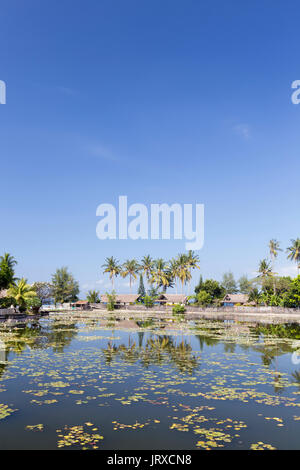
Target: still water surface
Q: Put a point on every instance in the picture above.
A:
(111, 384)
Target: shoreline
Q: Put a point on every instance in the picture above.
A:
(194, 315)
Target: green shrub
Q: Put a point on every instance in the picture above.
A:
(112, 298)
(178, 309)
(33, 304)
(148, 301)
(7, 302)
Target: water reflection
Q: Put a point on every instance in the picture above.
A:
(156, 351)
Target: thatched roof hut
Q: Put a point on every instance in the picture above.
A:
(233, 299)
(172, 299)
(122, 299)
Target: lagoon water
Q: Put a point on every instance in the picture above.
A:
(157, 384)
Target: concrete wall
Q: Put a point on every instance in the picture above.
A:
(4, 312)
(195, 309)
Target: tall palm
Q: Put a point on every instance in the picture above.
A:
(183, 269)
(22, 292)
(274, 247)
(130, 268)
(294, 252)
(192, 263)
(160, 275)
(174, 270)
(146, 266)
(111, 266)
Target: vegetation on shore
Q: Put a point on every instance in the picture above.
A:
(267, 288)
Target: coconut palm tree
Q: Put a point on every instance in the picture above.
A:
(265, 270)
(294, 252)
(21, 293)
(160, 275)
(174, 271)
(111, 266)
(130, 268)
(146, 266)
(9, 260)
(93, 296)
(274, 247)
(7, 273)
(192, 263)
(183, 269)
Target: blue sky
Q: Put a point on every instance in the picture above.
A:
(162, 101)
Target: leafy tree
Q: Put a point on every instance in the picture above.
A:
(21, 293)
(210, 286)
(203, 298)
(229, 283)
(245, 285)
(281, 285)
(44, 291)
(93, 296)
(130, 268)
(141, 290)
(294, 252)
(111, 266)
(292, 297)
(65, 288)
(7, 273)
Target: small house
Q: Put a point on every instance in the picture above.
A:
(165, 299)
(81, 305)
(230, 300)
(122, 300)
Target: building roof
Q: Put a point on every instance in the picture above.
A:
(173, 298)
(3, 293)
(81, 302)
(122, 298)
(236, 298)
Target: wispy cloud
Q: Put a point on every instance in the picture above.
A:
(243, 130)
(289, 270)
(91, 285)
(101, 151)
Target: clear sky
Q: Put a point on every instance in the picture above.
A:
(163, 101)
